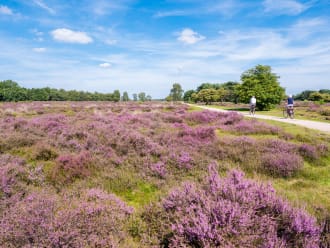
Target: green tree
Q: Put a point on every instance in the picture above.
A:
(230, 88)
(148, 98)
(125, 97)
(187, 96)
(135, 97)
(116, 96)
(176, 92)
(142, 96)
(263, 84)
(304, 95)
(207, 95)
(208, 86)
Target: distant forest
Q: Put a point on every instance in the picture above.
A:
(10, 91)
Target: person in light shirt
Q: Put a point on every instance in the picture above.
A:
(253, 101)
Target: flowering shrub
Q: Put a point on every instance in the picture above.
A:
(95, 219)
(12, 171)
(308, 151)
(235, 212)
(281, 164)
(69, 167)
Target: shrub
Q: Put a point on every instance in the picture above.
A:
(69, 167)
(12, 173)
(309, 152)
(234, 212)
(281, 164)
(44, 152)
(95, 219)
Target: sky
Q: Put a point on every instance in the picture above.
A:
(148, 45)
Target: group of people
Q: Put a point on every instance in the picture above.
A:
(253, 103)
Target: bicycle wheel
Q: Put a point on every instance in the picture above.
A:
(291, 114)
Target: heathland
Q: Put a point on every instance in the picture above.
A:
(155, 174)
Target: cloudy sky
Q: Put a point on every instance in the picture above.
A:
(145, 45)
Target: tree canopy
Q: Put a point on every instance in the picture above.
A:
(175, 93)
(11, 91)
(263, 84)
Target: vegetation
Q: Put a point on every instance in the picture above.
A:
(176, 93)
(263, 84)
(127, 174)
(258, 81)
(10, 91)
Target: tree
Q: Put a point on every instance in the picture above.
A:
(135, 97)
(205, 86)
(116, 96)
(263, 84)
(148, 98)
(187, 95)
(230, 88)
(142, 96)
(304, 95)
(125, 97)
(176, 92)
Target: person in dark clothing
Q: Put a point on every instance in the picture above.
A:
(290, 101)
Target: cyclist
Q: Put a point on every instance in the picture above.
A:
(289, 106)
(253, 102)
(290, 101)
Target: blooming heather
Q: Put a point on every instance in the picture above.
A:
(235, 212)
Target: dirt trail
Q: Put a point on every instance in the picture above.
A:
(321, 126)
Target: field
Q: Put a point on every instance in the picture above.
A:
(99, 174)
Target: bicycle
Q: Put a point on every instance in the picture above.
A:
(288, 112)
(252, 109)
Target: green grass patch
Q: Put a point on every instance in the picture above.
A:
(130, 187)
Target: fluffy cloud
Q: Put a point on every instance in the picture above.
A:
(67, 35)
(189, 36)
(5, 10)
(105, 65)
(289, 7)
(39, 49)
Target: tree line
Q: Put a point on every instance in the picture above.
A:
(312, 95)
(258, 81)
(10, 91)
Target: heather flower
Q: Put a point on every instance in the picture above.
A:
(94, 219)
(235, 212)
(159, 169)
(281, 164)
(307, 151)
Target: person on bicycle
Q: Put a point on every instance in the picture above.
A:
(253, 102)
(290, 101)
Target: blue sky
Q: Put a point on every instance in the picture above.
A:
(147, 46)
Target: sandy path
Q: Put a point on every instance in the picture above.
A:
(321, 126)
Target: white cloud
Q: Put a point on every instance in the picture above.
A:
(289, 7)
(5, 10)
(42, 5)
(189, 36)
(67, 35)
(39, 49)
(105, 65)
